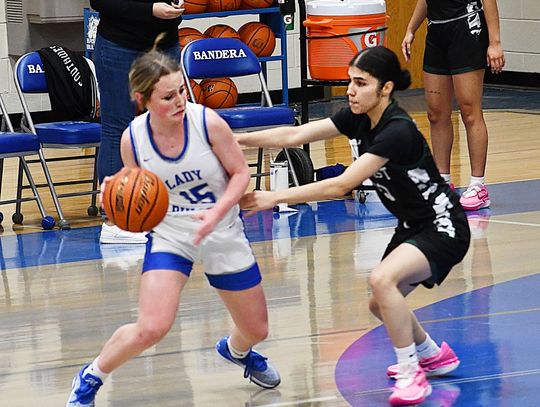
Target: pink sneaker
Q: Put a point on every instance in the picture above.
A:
(475, 197)
(411, 387)
(441, 364)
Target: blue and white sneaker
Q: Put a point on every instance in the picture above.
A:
(83, 390)
(256, 367)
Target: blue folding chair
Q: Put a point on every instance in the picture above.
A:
(229, 57)
(21, 145)
(30, 78)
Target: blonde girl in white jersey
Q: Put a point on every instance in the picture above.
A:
(193, 150)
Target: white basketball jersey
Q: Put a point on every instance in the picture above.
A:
(195, 179)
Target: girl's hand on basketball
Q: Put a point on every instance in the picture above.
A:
(406, 45)
(102, 189)
(209, 221)
(167, 11)
(258, 201)
(495, 58)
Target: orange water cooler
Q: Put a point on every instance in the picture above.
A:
(337, 30)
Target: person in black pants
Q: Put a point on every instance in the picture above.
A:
(432, 233)
(127, 28)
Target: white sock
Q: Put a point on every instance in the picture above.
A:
(407, 355)
(94, 370)
(234, 352)
(446, 178)
(428, 348)
(477, 181)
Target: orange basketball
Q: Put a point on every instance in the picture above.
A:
(135, 200)
(251, 4)
(197, 92)
(188, 34)
(195, 6)
(221, 31)
(259, 37)
(219, 93)
(223, 5)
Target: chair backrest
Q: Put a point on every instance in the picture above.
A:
(30, 74)
(218, 57)
(221, 57)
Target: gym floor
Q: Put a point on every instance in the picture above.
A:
(64, 295)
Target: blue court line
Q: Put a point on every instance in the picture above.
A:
(80, 244)
(495, 338)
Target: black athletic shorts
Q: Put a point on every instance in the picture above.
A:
(442, 251)
(457, 47)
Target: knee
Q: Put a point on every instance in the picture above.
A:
(469, 114)
(150, 335)
(437, 115)
(380, 284)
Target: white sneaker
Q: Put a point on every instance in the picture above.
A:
(113, 234)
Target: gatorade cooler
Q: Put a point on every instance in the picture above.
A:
(337, 30)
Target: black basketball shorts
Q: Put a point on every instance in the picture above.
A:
(457, 46)
(442, 250)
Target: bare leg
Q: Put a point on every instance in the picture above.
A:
(468, 88)
(158, 304)
(249, 313)
(439, 92)
(404, 266)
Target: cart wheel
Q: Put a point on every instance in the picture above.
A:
(48, 222)
(92, 210)
(302, 164)
(17, 218)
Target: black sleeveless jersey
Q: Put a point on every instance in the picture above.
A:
(440, 10)
(409, 184)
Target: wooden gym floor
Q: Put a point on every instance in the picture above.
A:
(62, 295)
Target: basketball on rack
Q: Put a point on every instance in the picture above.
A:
(195, 6)
(219, 93)
(259, 37)
(223, 5)
(197, 92)
(221, 31)
(251, 4)
(188, 34)
(135, 199)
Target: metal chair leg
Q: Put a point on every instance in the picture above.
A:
(62, 222)
(33, 187)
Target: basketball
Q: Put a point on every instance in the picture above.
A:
(223, 5)
(135, 200)
(219, 93)
(197, 92)
(195, 6)
(221, 31)
(251, 4)
(188, 34)
(259, 37)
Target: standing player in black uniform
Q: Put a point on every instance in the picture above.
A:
(463, 39)
(432, 234)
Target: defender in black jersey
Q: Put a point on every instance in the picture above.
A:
(432, 234)
(462, 39)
